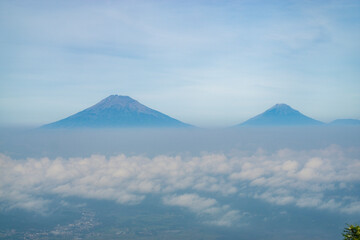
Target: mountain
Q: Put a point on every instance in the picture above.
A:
(280, 115)
(117, 111)
(345, 122)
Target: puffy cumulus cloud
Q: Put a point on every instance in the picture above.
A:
(192, 201)
(323, 179)
(209, 208)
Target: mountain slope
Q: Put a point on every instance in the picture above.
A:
(280, 115)
(117, 111)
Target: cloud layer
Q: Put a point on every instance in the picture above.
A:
(322, 179)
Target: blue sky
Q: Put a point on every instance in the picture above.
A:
(207, 63)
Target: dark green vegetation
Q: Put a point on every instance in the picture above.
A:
(352, 232)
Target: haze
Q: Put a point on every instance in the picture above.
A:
(179, 119)
(181, 183)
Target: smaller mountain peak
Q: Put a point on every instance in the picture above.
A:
(281, 114)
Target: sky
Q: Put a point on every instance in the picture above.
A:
(207, 63)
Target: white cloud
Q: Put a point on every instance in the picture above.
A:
(191, 201)
(353, 207)
(208, 207)
(311, 179)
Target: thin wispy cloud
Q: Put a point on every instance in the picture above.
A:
(197, 55)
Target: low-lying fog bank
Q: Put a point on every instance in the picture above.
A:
(151, 142)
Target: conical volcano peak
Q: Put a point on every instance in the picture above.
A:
(117, 111)
(280, 114)
(119, 102)
(281, 108)
(116, 100)
(281, 105)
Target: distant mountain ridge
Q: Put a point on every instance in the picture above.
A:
(117, 111)
(280, 115)
(345, 122)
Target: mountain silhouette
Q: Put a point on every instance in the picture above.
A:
(280, 115)
(345, 122)
(117, 111)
